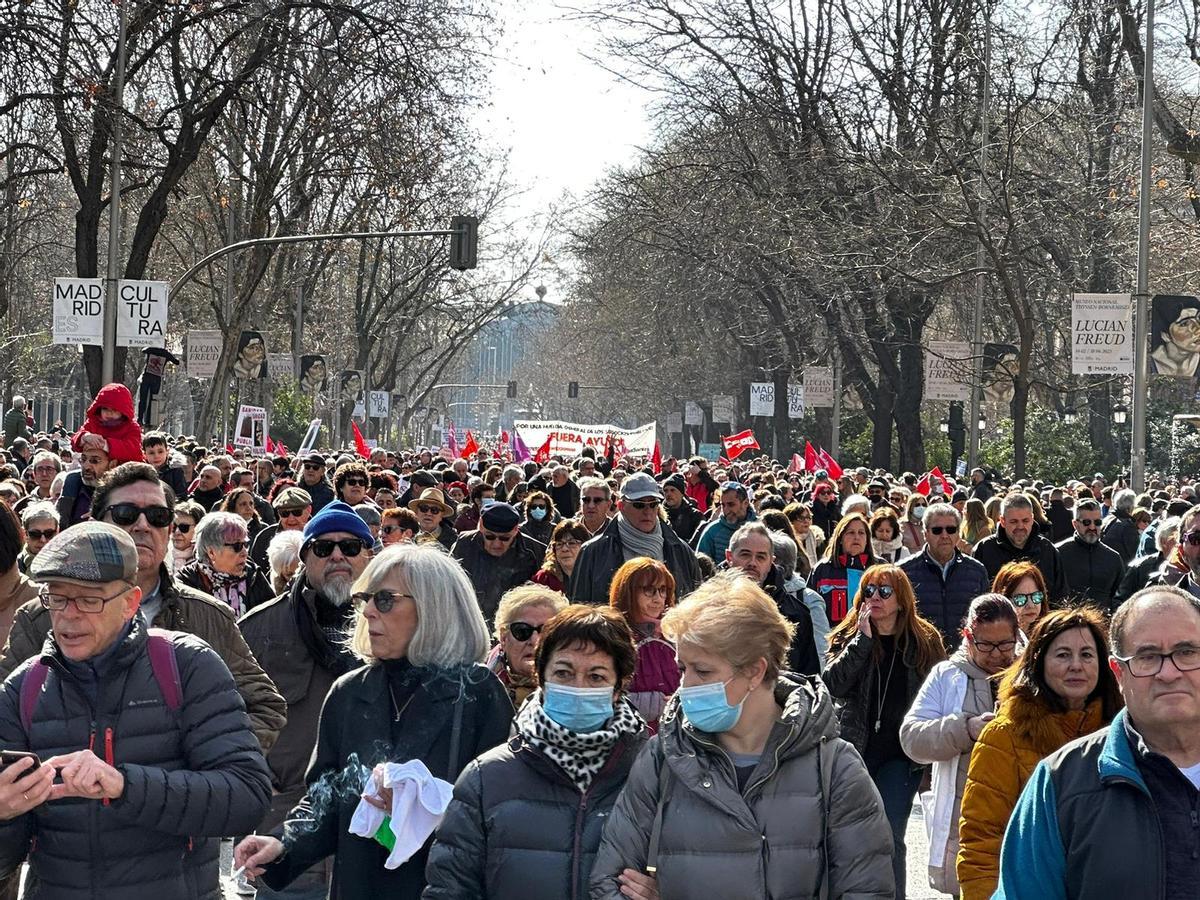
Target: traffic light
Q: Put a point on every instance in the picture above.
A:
(464, 243)
(511, 392)
(573, 390)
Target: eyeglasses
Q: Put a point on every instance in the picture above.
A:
(657, 590)
(568, 544)
(57, 602)
(290, 512)
(349, 547)
(1035, 598)
(184, 527)
(43, 534)
(237, 546)
(428, 509)
(883, 590)
(943, 529)
(643, 504)
(589, 501)
(1145, 663)
(392, 529)
(825, 493)
(125, 514)
(498, 538)
(993, 646)
(355, 482)
(384, 600)
(1192, 537)
(45, 470)
(523, 631)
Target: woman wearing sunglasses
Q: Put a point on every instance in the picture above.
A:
(519, 620)
(945, 721)
(188, 514)
(527, 816)
(642, 590)
(222, 567)
(1025, 587)
(420, 694)
(877, 660)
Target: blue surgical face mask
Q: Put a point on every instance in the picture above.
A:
(581, 710)
(707, 708)
(537, 513)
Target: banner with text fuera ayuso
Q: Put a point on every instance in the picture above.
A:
(1101, 334)
(569, 438)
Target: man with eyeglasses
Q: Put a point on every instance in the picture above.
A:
(145, 734)
(637, 530)
(595, 503)
(1115, 814)
(300, 639)
(293, 508)
(497, 556)
(312, 479)
(132, 498)
(1092, 569)
(944, 579)
(45, 467)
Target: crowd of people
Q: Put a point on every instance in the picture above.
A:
(417, 676)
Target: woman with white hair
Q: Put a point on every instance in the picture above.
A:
(223, 567)
(284, 555)
(420, 695)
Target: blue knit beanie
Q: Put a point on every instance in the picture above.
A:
(336, 516)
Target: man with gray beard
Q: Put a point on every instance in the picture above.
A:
(1093, 570)
(298, 639)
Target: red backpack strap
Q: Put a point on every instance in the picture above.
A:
(161, 649)
(31, 690)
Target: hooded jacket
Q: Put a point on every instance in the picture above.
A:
(809, 813)
(125, 437)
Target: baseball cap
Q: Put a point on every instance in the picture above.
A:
(88, 553)
(639, 486)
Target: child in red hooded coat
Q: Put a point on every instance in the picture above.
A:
(111, 417)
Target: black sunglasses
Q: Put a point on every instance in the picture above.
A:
(943, 529)
(290, 512)
(384, 600)
(313, 466)
(44, 534)
(184, 527)
(237, 546)
(348, 546)
(125, 514)
(883, 590)
(355, 482)
(643, 504)
(523, 631)
(589, 501)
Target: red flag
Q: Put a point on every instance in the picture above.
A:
(503, 437)
(269, 448)
(280, 449)
(737, 444)
(470, 448)
(542, 456)
(947, 487)
(796, 465)
(829, 464)
(360, 446)
(923, 486)
(656, 459)
(229, 448)
(810, 458)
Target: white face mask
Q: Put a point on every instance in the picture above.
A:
(918, 513)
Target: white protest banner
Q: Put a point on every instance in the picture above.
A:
(724, 409)
(142, 313)
(310, 438)
(674, 423)
(692, 414)
(203, 351)
(78, 310)
(1101, 334)
(251, 429)
(569, 439)
(947, 370)
(795, 401)
(762, 398)
(281, 367)
(377, 404)
(818, 387)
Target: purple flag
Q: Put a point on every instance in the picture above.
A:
(452, 440)
(519, 451)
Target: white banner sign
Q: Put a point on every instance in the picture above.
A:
(795, 401)
(281, 368)
(674, 423)
(692, 414)
(724, 409)
(762, 398)
(1101, 334)
(203, 351)
(569, 439)
(142, 313)
(948, 370)
(377, 404)
(78, 310)
(818, 387)
(251, 430)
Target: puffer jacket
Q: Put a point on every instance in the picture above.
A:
(809, 814)
(491, 575)
(187, 610)
(124, 438)
(192, 776)
(1009, 748)
(714, 537)
(602, 555)
(943, 600)
(519, 827)
(935, 731)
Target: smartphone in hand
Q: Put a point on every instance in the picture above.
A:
(8, 757)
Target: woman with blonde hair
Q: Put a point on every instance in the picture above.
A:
(975, 525)
(522, 613)
(878, 658)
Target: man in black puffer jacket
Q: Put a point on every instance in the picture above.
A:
(147, 731)
(1093, 570)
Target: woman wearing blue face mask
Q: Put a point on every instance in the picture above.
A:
(746, 790)
(527, 817)
(540, 517)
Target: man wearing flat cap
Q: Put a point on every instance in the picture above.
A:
(145, 728)
(497, 556)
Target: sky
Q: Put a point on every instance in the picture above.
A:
(563, 117)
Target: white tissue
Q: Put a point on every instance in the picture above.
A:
(419, 802)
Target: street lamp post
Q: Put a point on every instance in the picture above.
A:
(1137, 467)
(112, 264)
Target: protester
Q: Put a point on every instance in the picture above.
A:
(188, 514)
(1016, 541)
(139, 813)
(810, 540)
(878, 657)
(398, 525)
(1114, 814)
(40, 523)
(15, 424)
(975, 525)
(540, 517)
(111, 418)
(946, 718)
(15, 588)
(497, 556)
(350, 483)
(527, 817)
(595, 498)
(642, 591)
(481, 494)
(432, 512)
(170, 466)
(886, 541)
(1093, 570)
(847, 556)
(283, 556)
(520, 619)
(700, 484)
(826, 508)
(209, 489)
(421, 694)
(1061, 689)
(1022, 583)
(735, 509)
(222, 567)
(45, 467)
(1142, 569)
(1120, 531)
(564, 492)
(562, 554)
(75, 502)
(293, 508)
(747, 757)
(314, 483)
(682, 513)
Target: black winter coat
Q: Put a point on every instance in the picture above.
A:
(1060, 521)
(997, 550)
(802, 655)
(491, 575)
(944, 600)
(685, 519)
(192, 776)
(1137, 576)
(519, 827)
(321, 493)
(1121, 533)
(1093, 571)
(601, 556)
(357, 730)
